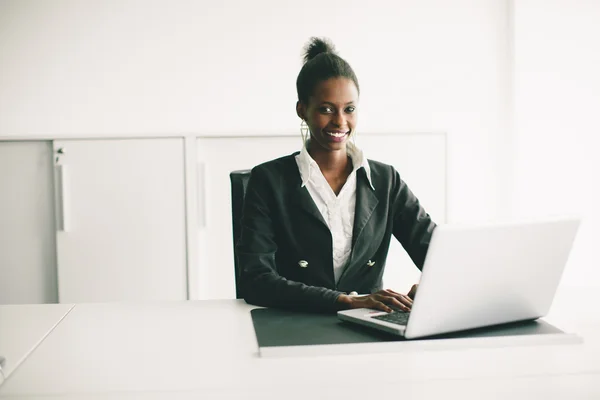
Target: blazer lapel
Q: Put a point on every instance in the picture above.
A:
(366, 201)
(307, 204)
(299, 194)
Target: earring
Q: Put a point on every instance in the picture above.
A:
(304, 132)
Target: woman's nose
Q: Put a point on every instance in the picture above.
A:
(339, 119)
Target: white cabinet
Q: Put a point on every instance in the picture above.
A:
(27, 245)
(120, 210)
(420, 159)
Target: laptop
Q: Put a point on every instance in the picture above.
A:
(478, 276)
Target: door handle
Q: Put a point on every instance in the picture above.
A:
(63, 197)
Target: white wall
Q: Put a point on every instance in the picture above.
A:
(557, 124)
(138, 67)
(132, 67)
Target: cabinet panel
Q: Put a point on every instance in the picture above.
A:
(420, 159)
(217, 157)
(120, 220)
(27, 245)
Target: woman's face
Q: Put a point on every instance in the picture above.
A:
(331, 113)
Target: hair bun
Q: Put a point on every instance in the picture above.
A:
(316, 46)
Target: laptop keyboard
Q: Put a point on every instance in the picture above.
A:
(395, 317)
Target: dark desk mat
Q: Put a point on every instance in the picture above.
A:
(274, 327)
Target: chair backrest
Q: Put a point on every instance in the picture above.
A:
(239, 183)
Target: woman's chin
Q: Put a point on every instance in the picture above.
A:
(329, 143)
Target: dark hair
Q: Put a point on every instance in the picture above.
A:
(321, 62)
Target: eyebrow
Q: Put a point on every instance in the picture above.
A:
(333, 104)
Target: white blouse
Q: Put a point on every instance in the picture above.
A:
(337, 211)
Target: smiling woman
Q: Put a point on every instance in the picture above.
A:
(317, 224)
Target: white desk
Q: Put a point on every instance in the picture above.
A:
(24, 327)
(207, 350)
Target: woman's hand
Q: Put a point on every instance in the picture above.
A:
(384, 300)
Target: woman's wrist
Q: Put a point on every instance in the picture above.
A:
(345, 300)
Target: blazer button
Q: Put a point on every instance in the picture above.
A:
(303, 264)
(353, 294)
(370, 263)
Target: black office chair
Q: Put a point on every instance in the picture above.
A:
(239, 183)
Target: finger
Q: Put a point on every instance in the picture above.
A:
(394, 302)
(378, 305)
(396, 294)
(391, 291)
(375, 304)
(404, 299)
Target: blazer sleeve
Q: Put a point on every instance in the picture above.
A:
(261, 282)
(413, 227)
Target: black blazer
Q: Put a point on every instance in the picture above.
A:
(285, 248)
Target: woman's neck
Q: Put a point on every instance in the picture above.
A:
(332, 163)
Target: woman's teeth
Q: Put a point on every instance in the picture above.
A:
(336, 134)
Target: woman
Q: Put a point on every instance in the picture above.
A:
(317, 224)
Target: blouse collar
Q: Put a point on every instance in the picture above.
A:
(307, 166)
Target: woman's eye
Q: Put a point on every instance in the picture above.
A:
(326, 110)
(350, 109)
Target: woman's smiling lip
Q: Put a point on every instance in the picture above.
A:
(336, 133)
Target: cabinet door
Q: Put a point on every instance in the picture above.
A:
(120, 220)
(217, 157)
(27, 246)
